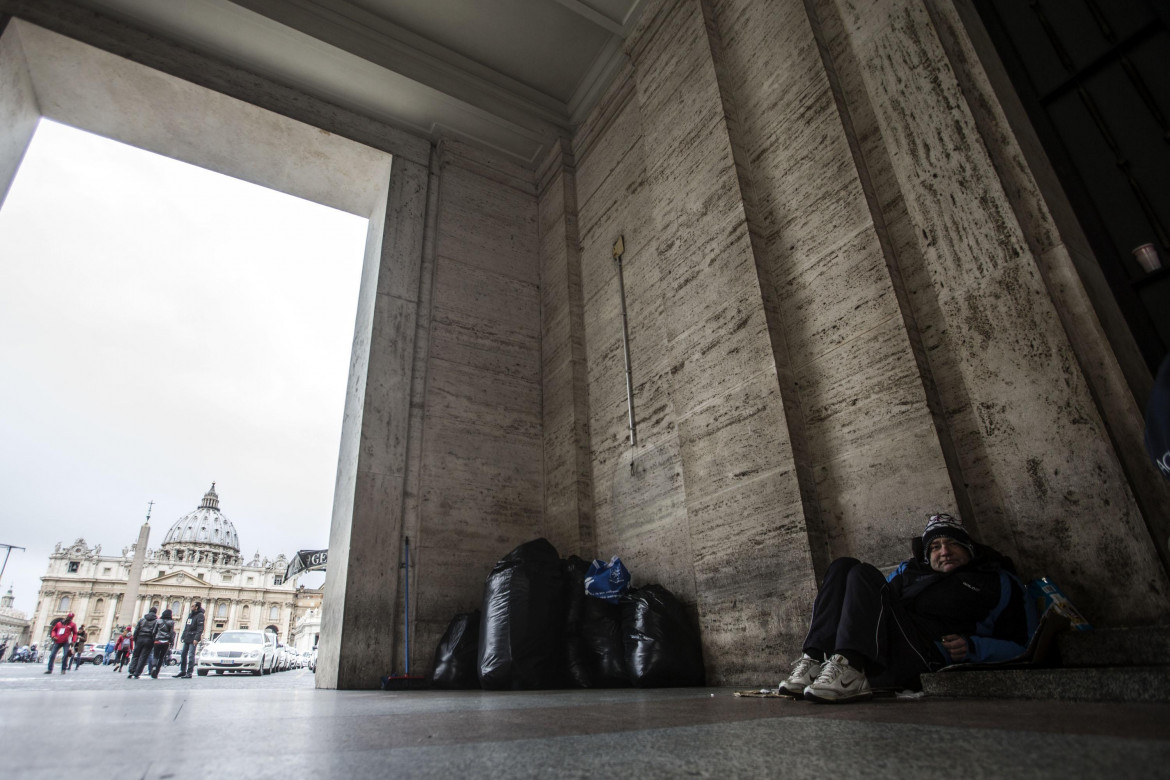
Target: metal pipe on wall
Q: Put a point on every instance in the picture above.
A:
(618, 250)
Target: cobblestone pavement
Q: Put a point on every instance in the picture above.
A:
(32, 677)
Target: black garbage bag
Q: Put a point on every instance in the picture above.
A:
(605, 648)
(594, 653)
(457, 656)
(521, 636)
(576, 667)
(662, 643)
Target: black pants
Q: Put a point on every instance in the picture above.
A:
(121, 658)
(142, 651)
(64, 656)
(162, 651)
(855, 615)
(187, 659)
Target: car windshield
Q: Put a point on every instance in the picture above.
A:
(241, 638)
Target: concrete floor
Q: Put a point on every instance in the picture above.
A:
(93, 723)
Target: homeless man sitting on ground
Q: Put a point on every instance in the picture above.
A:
(958, 603)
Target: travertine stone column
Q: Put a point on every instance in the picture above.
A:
(568, 491)
(480, 459)
(80, 609)
(18, 104)
(40, 616)
(875, 448)
(639, 499)
(412, 503)
(108, 621)
(1107, 355)
(745, 515)
(365, 541)
(1043, 475)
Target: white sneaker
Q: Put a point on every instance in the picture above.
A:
(838, 682)
(804, 672)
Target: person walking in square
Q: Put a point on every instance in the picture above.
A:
(164, 636)
(78, 647)
(143, 642)
(192, 633)
(122, 648)
(63, 633)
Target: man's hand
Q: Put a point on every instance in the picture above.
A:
(956, 646)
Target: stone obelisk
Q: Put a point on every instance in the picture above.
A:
(126, 606)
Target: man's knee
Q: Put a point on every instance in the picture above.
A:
(840, 567)
(864, 573)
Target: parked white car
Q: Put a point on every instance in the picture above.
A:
(290, 657)
(238, 651)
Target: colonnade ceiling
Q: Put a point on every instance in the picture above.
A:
(512, 74)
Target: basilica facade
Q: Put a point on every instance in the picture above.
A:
(14, 624)
(199, 560)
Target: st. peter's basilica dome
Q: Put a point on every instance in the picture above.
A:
(205, 527)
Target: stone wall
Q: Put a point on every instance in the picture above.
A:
(858, 373)
(479, 490)
(568, 493)
(838, 324)
(708, 502)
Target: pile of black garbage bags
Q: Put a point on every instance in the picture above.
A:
(539, 629)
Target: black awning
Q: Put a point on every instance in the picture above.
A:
(307, 560)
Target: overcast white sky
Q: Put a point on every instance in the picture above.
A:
(163, 327)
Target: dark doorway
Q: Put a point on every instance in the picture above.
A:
(1091, 74)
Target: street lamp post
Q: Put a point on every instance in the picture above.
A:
(8, 548)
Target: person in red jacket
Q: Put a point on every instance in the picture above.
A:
(63, 633)
(122, 648)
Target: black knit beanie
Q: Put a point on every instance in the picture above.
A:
(945, 525)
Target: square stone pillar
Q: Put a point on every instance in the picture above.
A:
(568, 476)
(18, 105)
(359, 632)
(1045, 479)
